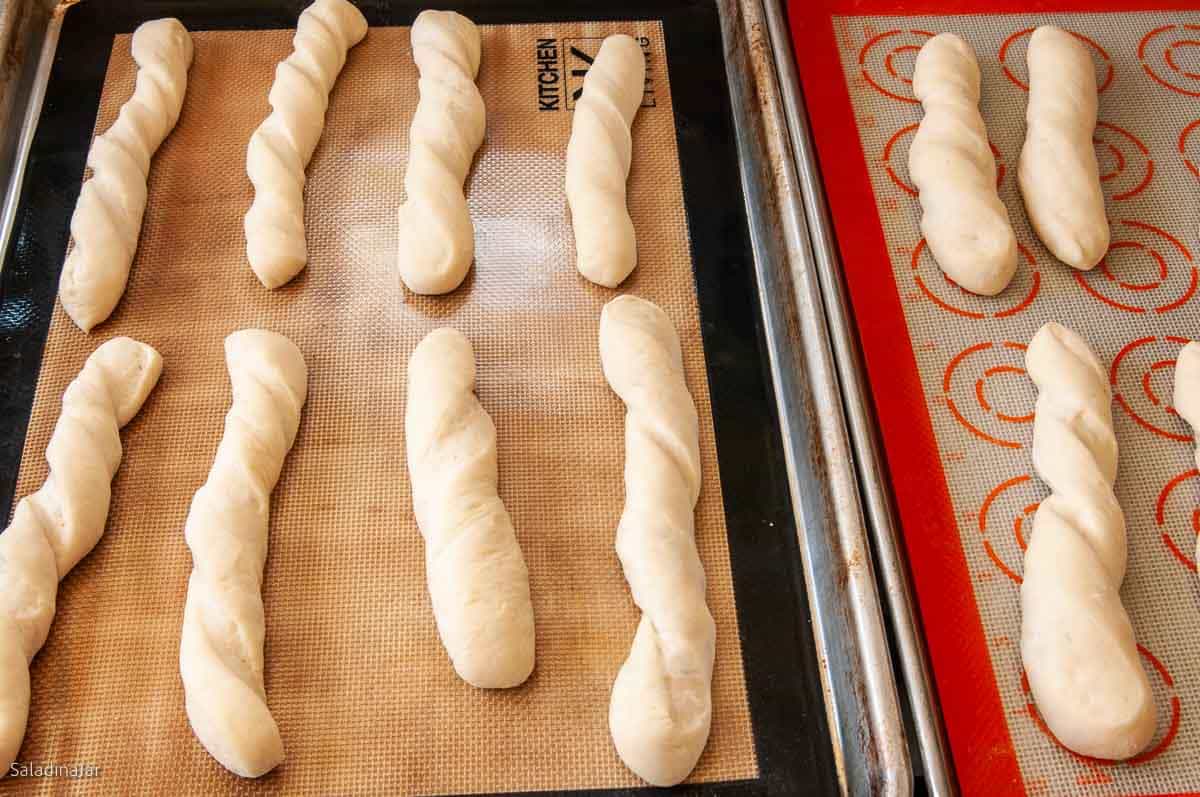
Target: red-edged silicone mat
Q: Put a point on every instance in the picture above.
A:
(946, 368)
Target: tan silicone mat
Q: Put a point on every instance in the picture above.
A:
(363, 692)
(1135, 310)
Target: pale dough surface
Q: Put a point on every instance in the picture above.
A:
(1186, 398)
(283, 144)
(221, 647)
(1077, 643)
(58, 525)
(437, 239)
(599, 154)
(661, 708)
(951, 164)
(108, 214)
(478, 582)
(1058, 172)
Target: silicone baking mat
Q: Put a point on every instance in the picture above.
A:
(356, 676)
(947, 367)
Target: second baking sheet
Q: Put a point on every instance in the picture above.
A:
(947, 368)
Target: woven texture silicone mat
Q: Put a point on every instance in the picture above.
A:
(364, 694)
(1135, 310)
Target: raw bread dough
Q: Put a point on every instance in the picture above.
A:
(108, 214)
(661, 708)
(58, 525)
(282, 145)
(221, 651)
(1077, 643)
(478, 582)
(1058, 173)
(437, 241)
(598, 159)
(951, 163)
(1187, 395)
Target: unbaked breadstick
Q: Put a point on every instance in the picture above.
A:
(1077, 643)
(1058, 173)
(661, 708)
(437, 240)
(58, 525)
(598, 159)
(1187, 395)
(283, 144)
(951, 163)
(108, 215)
(478, 582)
(221, 650)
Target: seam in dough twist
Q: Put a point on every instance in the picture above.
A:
(283, 144)
(478, 582)
(55, 527)
(437, 239)
(1077, 643)
(661, 707)
(221, 649)
(951, 164)
(1186, 397)
(599, 154)
(108, 214)
(1057, 171)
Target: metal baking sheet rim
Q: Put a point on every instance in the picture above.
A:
(860, 693)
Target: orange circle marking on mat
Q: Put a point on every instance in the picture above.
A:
(985, 508)
(1144, 382)
(1124, 137)
(1160, 519)
(867, 64)
(1183, 140)
(1153, 248)
(980, 398)
(1172, 72)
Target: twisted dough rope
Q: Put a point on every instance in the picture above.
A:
(951, 164)
(661, 707)
(1187, 395)
(437, 241)
(598, 159)
(478, 582)
(108, 214)
(1058, 173)
(58, 525)
(221, 651)
(1076, 639)
(282, 145)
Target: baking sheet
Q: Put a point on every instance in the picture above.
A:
(356, 676)
(968, 379)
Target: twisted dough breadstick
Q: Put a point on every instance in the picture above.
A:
(951, 164)
(58, 525)
(598, 159)
(1187, 395)
(221, 651)
(437, 241)
(1058, 173)
(282, 145)
(108, 214)
(1076, 640)
(477, 578)
(661, 707)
